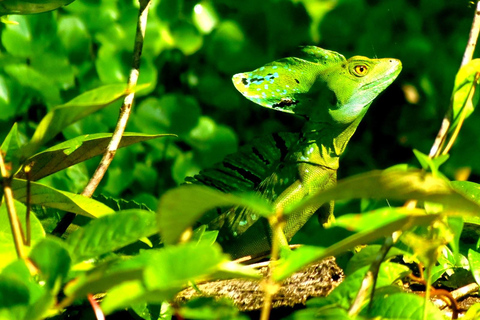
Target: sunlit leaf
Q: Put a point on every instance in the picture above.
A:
(473, 312)
(181, 207)
(428, 163)
(11, 144)
(395, 185)
(76, 150)
(7, 246)
(305, 255)
(50, 197)
(21, 296)
(165, 272)
(367, 255)
(463, 84)
(52, 259)
(404, 306)
(111, 232)
(474, 261)
(31, 6)
(345, 293)
(64, 115)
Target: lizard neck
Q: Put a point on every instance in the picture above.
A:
(322, 143)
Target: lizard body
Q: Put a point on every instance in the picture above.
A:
(333, 94)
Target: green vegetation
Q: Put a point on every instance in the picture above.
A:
(132, 246)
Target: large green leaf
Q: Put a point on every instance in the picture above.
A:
(403, 305)
(345, 293)
(77, 150)
(165, 272)
(21, 296)
(64, 115)
(471, 191)
(31, 6)
(396, 185)
(461, 91)
(53, 198)
(305, 255)
(52, 259)
(7, 246)
(181, 207)
(11, 143)
(111, 232)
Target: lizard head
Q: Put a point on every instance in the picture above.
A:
(320, 84)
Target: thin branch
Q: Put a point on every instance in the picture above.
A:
(12, 212)
(467, 56)
(65, 222)
(271, 287)
(28, 225)
(127, 103)
(370, 279)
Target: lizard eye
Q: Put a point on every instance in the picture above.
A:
(360, 70)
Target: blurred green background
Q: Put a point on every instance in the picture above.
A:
(191, 51)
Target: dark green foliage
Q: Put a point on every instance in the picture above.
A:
(63, 74)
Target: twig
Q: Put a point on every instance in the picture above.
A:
(127, 103)
(467, 56)
(12, 212)
(457, 294)
(271, 287)
(96, 308)
(28, 225)
(370, 279)
(122, 119)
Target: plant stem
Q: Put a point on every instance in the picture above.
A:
(125, 110)
(270, 285)
(467, 57)
(127, 103)
(12, 212)
(370, 279)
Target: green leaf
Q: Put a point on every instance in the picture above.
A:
(77, 150)
(111, 232)
(428, 163)
(473, 312)
(345, 293)
(64, 115)
(29, 7)
(463, 85)
(305, 255)
(7, 246)
(395, 185)
(49, 197)
(209, 308)
(149, 311)
(52, 258)
(474, 262)
(11, 144)
(166, 271)
(471, 191)
(404, 306)
(14, 298)
(330, 312)
(367, 255)
(181, 207)
(21, 297)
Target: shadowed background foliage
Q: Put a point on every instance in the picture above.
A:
(192, 50)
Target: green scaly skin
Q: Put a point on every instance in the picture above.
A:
(333, 94)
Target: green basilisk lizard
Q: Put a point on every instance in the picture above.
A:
(332, 94)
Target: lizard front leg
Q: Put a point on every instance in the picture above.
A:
(311, 179)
